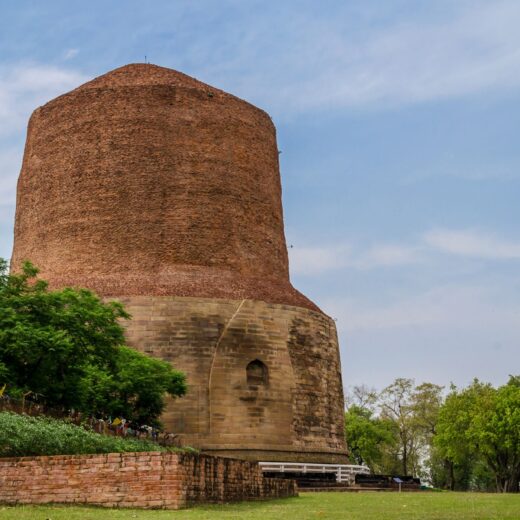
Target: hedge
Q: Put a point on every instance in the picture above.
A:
(22, 436)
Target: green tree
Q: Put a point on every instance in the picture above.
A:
(368, 438)
(495, 432)
(397, 406)
(451, 440)
(426, 401)
(134, 389)
(484, 423)
(393, 430)
(67, 346)
(471, 473)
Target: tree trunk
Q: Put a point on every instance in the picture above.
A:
(513, 483)
(501, 484)
(452, 475)
(405, 460)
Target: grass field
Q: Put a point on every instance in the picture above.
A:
(344, 506)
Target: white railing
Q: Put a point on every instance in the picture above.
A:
(345, 473)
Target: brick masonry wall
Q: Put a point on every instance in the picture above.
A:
(296, 416)
(140, 480)
(218, 480)
(145, 181)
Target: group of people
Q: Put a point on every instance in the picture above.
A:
(123, 428)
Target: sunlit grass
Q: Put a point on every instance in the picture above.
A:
(344, 506)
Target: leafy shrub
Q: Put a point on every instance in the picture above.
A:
(22, 436)
(67, 347)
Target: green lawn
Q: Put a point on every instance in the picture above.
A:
(344, 506)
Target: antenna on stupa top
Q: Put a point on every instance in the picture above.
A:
(145, 60)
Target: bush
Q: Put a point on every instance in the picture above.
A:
(22, 436)
(66, 347)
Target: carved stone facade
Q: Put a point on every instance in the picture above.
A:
(294, 413)
(151, 187)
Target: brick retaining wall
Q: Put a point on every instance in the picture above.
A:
(141, 480)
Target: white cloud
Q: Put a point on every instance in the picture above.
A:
(315, 260)
(25, 87)
(472, 243)
(444, 307)
(446, 333)
(22, 89)
(70, 53)
(318, 62)
(387, 255)
(498, 171)
(10, 164)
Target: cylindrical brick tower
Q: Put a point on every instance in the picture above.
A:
(151, 187)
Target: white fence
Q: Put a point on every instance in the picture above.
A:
(345, 473)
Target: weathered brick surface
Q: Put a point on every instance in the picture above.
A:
(146, 181)
(141, 480)
(217, 480)
(297, 415)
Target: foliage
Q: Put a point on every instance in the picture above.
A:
(396, 407)
(468, 441)
(483, 422)
(414, 411)
(368, 437)
(137, 391)
(30, 436)
(67, 346)
(470, 474)
(426, 402)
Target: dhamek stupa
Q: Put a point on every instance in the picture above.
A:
(150, 187)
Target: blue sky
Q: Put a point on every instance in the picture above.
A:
(398, 123)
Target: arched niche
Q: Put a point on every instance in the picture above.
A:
(257, 373)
